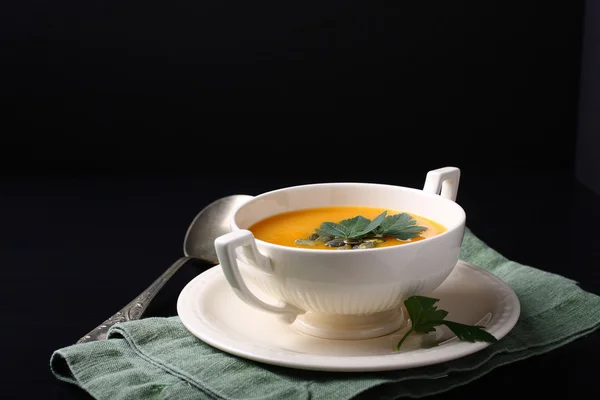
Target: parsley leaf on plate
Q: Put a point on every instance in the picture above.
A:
(425, 316)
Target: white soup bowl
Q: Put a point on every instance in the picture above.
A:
(355, 294)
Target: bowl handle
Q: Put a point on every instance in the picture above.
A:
(443, 181)
(225, 246)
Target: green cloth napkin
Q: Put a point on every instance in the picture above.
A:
(157, 358)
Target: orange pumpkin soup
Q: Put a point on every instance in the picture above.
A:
(345, 228)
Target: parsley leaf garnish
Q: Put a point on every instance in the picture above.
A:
(400, 226)
(425, 316)
(347, 229)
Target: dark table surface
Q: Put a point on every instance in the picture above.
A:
(75, 250)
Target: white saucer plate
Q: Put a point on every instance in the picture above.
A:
(211, 311)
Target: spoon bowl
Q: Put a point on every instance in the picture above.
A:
(210, 223)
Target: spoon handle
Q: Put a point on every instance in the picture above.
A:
(135, 308)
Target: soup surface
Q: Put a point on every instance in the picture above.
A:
(304, 228)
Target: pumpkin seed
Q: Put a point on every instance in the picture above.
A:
(365, 245)
(335, 243)
(305, 242)
(375, 240)
(313, 236)
(352, 241)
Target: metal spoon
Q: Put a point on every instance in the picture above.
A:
(209, 224)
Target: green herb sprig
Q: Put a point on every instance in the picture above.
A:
(425, 316)
(362, 233)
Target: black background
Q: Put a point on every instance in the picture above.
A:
(494, 76)
(120, 121)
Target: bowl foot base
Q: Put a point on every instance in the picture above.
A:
(350, 327)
